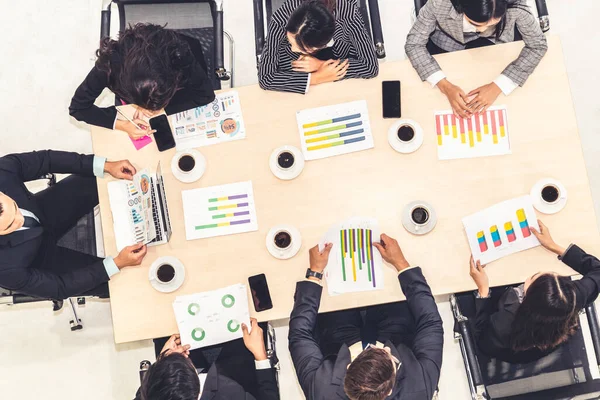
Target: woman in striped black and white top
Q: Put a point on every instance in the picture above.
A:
(316, 41)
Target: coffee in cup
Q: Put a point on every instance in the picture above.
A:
(186, 163)
(285, 160)
(419, 215)
(406, 133)
(282, 240)
(550, 194)
(165, 273)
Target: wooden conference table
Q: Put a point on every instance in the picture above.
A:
(374, 183)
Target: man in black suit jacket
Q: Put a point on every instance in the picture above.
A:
(31, 262)
(175, 373)
(328, 352)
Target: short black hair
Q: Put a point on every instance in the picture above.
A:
(171, 377)
(1, 209)
(313, 24)
(482, 11)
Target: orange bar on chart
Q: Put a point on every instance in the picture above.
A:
(438, 129)
(454, 126)
(501, 119)
(446, 124)
(486, 128)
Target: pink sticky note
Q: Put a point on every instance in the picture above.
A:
(141, 143)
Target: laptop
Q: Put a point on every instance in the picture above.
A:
(140, 209)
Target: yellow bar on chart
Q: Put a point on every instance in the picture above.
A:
(479, 136)
(495, 138)
(463, 138)
(454, 130)
(502, 132)
(439, 137)
(471, 142)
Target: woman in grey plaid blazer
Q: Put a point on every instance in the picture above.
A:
(451, 25)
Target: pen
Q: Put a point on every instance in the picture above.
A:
(129, 119)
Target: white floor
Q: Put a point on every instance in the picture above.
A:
(48, 48)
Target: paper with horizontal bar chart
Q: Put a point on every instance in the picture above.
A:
(355, 265)
(481, 135)
(209, 318)
(502, 229)
(334, 130)
(219, 210)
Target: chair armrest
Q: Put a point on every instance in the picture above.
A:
(259, 28)
(418, 5)
(105, 23)
(144, 366)
(592, 317)
(376, 28)
(471, 352)
(543, 16)
(218, 34)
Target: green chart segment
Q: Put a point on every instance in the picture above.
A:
(228, 207)
(356, 246)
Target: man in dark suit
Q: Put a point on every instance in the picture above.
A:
(241, 371)
(31, 262)
(328, 350)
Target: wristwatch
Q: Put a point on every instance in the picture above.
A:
(310, 272)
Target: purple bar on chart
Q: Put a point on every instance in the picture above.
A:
(242, 204)
(237, 214)
(370, 240)
(243, 221)
(346, 241)
(238, 196)
(362, 244)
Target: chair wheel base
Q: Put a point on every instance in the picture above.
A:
(76, 327)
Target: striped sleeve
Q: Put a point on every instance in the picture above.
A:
(365, 64)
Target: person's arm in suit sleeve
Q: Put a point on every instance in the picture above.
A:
(587, 265)
(31, 166)
(266, 381)
(82, 106)
(429, 333)
(304, 349)
(365, 64)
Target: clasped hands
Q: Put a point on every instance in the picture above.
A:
(466, 104)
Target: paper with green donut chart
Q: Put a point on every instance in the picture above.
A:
(214, 317)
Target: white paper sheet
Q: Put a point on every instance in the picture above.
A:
(487, 245)
(214, 317)
(334, 130)
(217, 122)
(219, 210)
(355, 265)
(481, 135)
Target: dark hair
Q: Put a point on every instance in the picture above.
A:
(146, 65)
(313, 24)
(171, 377)
(1, 209)
(371, 376)
(482, 11)
(548, 315)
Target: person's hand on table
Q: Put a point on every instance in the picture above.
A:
(546, 239)
(254, 341)
(319, 259)
(391, 252)
(131, 256)
(307, 64)
(120, 169)
(330, 71)
(457, 98)
(132, 130)
(480, 277)
(484, 97)
(173, 345)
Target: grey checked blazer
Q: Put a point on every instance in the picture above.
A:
(439, 20)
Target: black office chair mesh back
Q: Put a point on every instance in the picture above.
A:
(192, 19)
(271, 6)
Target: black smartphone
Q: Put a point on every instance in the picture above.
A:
(391, 99)
(163, 135)
(260, 293)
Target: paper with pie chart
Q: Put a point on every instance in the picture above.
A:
(217, 122)
(209, 318)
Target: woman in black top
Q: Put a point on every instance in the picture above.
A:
(148, 66)
(532, 320)
(315, 41)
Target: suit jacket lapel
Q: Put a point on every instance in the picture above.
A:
(456, 23)
(211, 386)
(339, 370)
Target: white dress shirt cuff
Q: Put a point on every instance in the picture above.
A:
(320, 283)
(110, 266)
(307, 83)
(406, 269)
(263, 364)
(505, 84)
(99, 166)
(435, 78)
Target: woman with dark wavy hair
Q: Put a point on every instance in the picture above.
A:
(149, 66)
(533, 319)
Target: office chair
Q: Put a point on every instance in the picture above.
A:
(562, 374)
(82, 238)
(541, 6)
(264, 9)
(199, 19)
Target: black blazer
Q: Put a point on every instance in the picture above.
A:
(220, 387)
(197, 91)
(323, 378)
(22, 253)
(493, 328)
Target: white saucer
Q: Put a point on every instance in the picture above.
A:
(177, 280)
(405, 147)
(413, 228)
(195, 173)
(541, 205)
(291, 173)
(290, 251)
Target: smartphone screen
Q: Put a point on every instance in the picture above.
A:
(260, 293)
(163, 135)
(391, 99)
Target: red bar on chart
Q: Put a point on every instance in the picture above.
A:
(482, 243)
(454, 126)
(469, 128)
(493, 121)
(502, 118)
(438, 128)
(477, 123)
(494, 132)
(486, 127)
(446, 124)
(462, 126)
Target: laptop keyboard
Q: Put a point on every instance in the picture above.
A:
(155, 211)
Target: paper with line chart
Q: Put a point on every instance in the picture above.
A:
(502, 229)
(214, 317)
(481, 135)
(334, 130)
(219, 210)
(355, 265)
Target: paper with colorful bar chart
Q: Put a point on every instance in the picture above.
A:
(209, 318)
(216, 122)
(219, 210)
(355, 265)
(502, 229)
(334, 130)
(481, 135)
